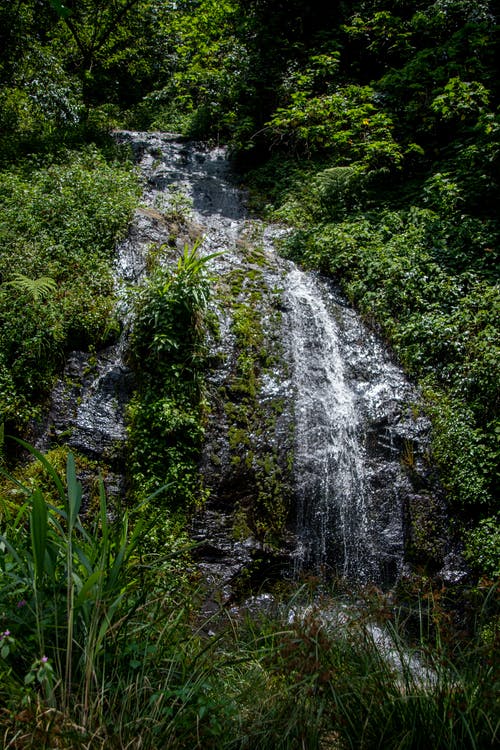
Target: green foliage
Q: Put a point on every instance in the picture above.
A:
(461, 450)
(483, 547)
(435, 53)
(331, 193)
(58, 229)
(345, 124)
(67, 584)
(89, 630)
(168, 354)
(461, 99)
(40, 101)
(37, 289)
(205, 75)
(108, 44)
(62, 10)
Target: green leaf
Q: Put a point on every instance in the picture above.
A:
(103, 514)
(74, 492)
(87, 587)
(39, 523)
(61, 10)
(37, 289)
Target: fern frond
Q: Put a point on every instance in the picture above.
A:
(37, 289)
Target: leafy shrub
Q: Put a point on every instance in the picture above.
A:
(41, 103)
(483, 547)
(60, 223)
(461, 451)
(168, 354)
(346, 124)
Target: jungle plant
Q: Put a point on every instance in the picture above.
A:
(345, 124)
(37, 289)
(94, 644)
(58, 229)
(168, 353)
(66, 590)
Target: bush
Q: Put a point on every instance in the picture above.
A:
(168, 355)
(59, 225)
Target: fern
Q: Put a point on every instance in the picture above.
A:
(37, 289)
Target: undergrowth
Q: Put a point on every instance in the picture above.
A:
(96, 652)
(60, 219)
(167, 411)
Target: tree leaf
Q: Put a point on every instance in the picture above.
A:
(61, 10)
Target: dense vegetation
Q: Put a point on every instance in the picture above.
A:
(372, 128)
(100, 652)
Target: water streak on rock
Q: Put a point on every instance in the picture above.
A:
(352, 420)
(337, 383)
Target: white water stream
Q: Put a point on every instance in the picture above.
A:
(348, 400)
(330, 476)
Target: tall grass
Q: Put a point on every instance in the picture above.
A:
(340, 682)
(67, 596)
(99, 650)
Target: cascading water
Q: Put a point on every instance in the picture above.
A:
(352, 418)
(328, 454)
(336, 384)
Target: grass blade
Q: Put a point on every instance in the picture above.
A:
(74, 492)
(39, 523)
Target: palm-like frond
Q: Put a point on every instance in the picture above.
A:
(37, 289)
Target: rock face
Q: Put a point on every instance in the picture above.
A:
(353, 425)
(314, 457)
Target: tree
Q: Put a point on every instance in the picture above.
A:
(111, 45)
(93, 24)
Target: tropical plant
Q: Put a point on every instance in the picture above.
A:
(37, 289)
(168, 350)
(66, 590)
(58, 228)
(94, 643)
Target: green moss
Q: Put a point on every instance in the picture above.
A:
(255, 463)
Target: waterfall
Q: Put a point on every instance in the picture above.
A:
(334, 383)
(330, 479)
(352, 416)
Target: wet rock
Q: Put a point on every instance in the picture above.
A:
(426, 532)
(321, 417)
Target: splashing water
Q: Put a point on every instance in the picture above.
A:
(331, 509)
